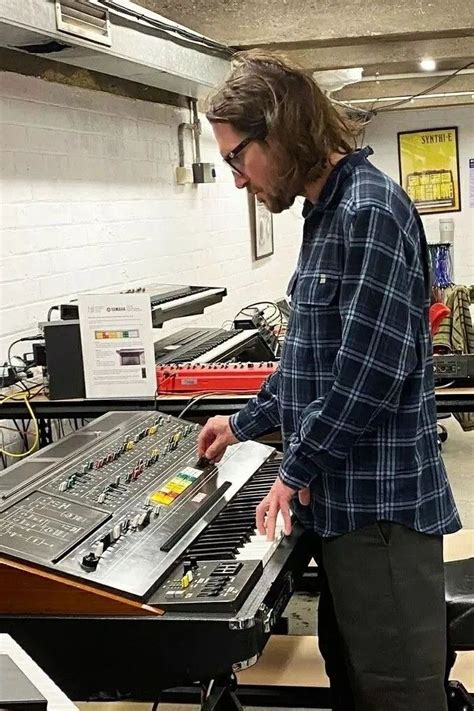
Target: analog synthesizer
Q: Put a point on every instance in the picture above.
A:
(117, 504)
(118, 533)
(212, 377)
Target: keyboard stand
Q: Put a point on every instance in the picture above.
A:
(220, 695)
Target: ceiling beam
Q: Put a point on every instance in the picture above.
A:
(248, 23)
(392, 87)
(378, 53)
(459, 90)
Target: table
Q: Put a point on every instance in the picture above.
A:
(455, 399)
(448, 400)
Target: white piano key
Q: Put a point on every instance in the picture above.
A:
(259, 548)
(223, 348)
(172, 304)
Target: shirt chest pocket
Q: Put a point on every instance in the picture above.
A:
(316, 309)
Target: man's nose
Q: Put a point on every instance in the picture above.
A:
(240, 181)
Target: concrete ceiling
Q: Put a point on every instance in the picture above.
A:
(384, 37)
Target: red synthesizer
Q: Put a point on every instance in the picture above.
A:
(212, 377)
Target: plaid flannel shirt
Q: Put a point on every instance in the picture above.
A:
(354, 392)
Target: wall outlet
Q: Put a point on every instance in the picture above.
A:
(184, 175)
(204, 173)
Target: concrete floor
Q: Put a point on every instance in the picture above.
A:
(458, 455)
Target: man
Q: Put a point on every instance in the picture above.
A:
(354, 390)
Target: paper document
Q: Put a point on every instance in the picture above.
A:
(117, 345)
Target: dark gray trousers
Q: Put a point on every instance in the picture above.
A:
(382, 619)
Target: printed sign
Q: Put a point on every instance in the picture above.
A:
(429, 169)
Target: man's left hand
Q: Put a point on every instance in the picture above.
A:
(278, 499)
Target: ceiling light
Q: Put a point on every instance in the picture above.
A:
(428, 65)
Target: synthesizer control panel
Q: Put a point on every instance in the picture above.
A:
(118, 502)
(196, 586)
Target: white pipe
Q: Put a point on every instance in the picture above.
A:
(415, 75)
(348, 102)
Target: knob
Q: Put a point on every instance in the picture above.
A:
(194, 563)
(90, 561)
(202, 463)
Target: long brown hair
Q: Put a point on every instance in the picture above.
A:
(267, 95)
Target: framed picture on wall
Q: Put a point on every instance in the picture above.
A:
(429, 169)
(261, 229)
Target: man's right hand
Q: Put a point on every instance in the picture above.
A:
(214, 438)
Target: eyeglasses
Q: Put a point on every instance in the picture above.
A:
(232, 158)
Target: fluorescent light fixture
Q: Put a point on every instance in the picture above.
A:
(428, 65)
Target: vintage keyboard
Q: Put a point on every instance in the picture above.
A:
(211, 345)
(213, 377)
(174, 301)
(167, 301)
(117, 544)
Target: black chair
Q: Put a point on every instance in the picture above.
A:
(460, 616)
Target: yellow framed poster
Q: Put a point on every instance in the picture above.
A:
(429, 169)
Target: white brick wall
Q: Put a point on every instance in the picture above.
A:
(381, 134)
(89, 200)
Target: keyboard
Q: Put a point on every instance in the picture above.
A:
(203, 345)
(213, 377)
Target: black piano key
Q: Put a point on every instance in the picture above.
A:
(218, 553)
(230, 545)
(242, 503)
(235, 522)
(209, 555)
(237, 517)
(218, 537)
(233, 518)
(224, 534)
(233, 527)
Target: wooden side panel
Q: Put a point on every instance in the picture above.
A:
(28, 590)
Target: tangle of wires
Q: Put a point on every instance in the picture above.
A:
(24, 368)
(275, 319)
(275, 315)
(25, 388)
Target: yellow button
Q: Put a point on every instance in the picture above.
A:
(175, 486)
(159, 497)
(185, 581)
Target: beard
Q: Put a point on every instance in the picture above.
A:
(279, 202)
(281, 195)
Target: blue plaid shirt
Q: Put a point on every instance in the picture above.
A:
(354, 392)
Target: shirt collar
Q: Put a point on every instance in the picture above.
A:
(339, 173)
